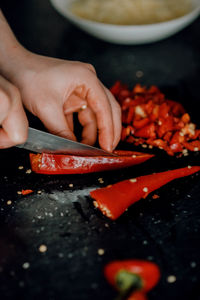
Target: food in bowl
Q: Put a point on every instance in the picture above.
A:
(130, 12)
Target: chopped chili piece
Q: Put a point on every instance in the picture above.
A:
(132, 278)
(26, 192)
(114, 199)
(68, 164)
(153, 117)
(155, 196)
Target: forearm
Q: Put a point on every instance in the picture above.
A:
(11, 52)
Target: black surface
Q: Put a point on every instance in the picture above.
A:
(165, 230)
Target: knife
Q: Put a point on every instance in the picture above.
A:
(40, 141)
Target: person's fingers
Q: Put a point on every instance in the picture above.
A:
(5, 105)
(70, 121)
(116, 116)
(88, 121)
(55, 121)
(14, 124)
(74, 103)
(5, 141)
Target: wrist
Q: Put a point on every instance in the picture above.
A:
(12, 53)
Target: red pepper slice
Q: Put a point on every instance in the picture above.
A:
(115, 199)
(147, 131)
(68, 164)
(132, 277)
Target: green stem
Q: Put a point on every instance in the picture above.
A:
(127, 283)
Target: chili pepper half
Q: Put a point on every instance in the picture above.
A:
(132, 278)
(114, 199)
(68, 164)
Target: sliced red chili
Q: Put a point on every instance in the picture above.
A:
(114, 199)
(68, 164)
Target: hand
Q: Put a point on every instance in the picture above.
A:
(53, 89)
(13, 121)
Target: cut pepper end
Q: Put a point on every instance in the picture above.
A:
(114, 201)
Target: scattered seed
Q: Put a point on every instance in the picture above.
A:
(61, 255)
(193, 264)
(96, 204)
(20, 167)
(26, 265)
(100, 180)
(133, 180)
(43, 248)
(144, 146)
(101, 251)
(171, 278)
(28, 171)
(139, 74)
(71, 185)
(9, 202)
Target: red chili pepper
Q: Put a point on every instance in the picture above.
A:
(26, 192)
(113, 200)
(132, 278)
(68, 164)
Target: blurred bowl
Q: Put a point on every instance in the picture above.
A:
(128, 34)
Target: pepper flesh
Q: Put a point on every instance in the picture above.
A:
(113, 200)
(26, 192)
(137, 296)
(148, 272)
(149, 117)
(68, 164)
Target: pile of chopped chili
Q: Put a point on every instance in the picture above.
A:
(149, 118)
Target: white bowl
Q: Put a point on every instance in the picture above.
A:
(128, 34)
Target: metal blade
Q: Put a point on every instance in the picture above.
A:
(40, 141)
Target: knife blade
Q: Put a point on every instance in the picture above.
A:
(41, 141)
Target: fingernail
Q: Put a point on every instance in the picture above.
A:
(109, 149)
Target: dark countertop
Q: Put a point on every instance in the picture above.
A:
(62, 217)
